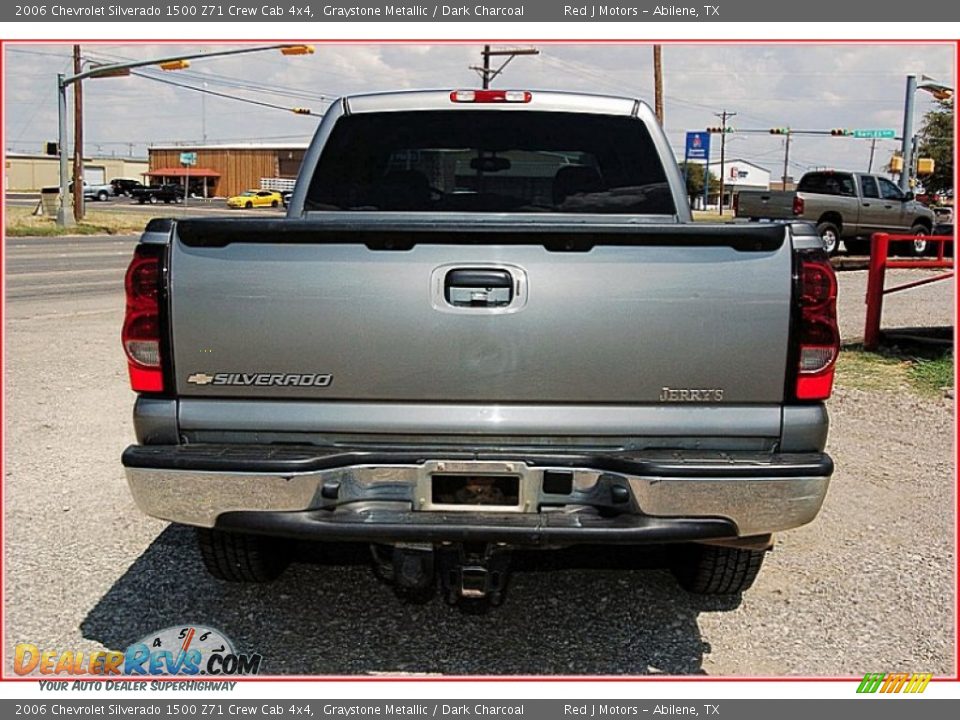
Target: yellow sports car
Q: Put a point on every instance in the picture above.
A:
(256, 198)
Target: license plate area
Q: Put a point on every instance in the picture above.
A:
(497, 490)
(475, 486)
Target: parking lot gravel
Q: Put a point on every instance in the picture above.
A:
(868, 586)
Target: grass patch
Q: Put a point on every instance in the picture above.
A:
(925, 371)
(21, 222)
(931, 376)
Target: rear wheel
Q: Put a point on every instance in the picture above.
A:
(103, 196)
(716, 570)
(237, 557)
(830, 235)
(274, 204)
(153, 199)
(248, 205)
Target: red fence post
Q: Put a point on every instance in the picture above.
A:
(875, 280)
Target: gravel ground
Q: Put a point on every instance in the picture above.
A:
(867, 586)
(925, 306)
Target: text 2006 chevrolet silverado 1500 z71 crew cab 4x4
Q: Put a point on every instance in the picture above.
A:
(486, 322)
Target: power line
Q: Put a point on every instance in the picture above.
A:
(244, 83)
(250, 101)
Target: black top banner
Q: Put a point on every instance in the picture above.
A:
(501, 11)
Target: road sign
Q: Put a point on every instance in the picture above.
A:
(698, 146)
(188, 159)
(871, 134)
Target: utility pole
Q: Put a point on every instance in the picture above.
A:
(486, 66)
(658, 82)
(873, 150)
(724, 116)
(203, 113)
(78, 139)
(786, 157)
(487, 74)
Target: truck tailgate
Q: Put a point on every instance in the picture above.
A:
(771, 204)
(607, 313)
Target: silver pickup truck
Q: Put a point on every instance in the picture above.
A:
(487, 322)
(844, 206)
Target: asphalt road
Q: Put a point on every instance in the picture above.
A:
(867, 586)
(73, 266)
(194, 207)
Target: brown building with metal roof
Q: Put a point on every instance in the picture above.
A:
(224, 170)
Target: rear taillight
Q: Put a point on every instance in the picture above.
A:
(490, 96)
(818, 335)
(797, 205)
(141, 326)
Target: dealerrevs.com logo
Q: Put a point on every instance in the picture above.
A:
(182, 650)
(894, 682)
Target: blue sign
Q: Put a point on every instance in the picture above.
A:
(188, 159)
(698, 146)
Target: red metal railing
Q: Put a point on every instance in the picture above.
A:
(880, 262)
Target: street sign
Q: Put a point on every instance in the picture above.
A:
(188, 159)
(698, 146)
(871, 134)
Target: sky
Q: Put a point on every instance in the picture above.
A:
(802, 86)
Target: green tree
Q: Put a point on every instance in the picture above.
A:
(695, 180)
(935, 140)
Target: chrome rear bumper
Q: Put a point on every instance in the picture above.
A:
(381, 495)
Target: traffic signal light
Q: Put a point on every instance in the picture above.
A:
(896, 163)
(840, 132)
(715, 130)
(175, 65)
(779, 131)
(925, 166)
(297, 50)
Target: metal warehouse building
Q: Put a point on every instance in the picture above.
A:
(223, 170)
(30, 172)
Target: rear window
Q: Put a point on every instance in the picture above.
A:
(828, 184)
(490, 161)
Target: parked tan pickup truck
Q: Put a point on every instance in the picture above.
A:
(844, 206)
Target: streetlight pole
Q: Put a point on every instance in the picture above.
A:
(907, 146)
(62, 216)
(122, 69)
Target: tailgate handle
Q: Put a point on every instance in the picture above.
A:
(478, 287)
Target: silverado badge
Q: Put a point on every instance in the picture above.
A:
(262, 379)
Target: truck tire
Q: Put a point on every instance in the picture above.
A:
(103, 196)
(830, 235)
(716, 570)
(237, 557)
(917, 248)
(153, 199)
